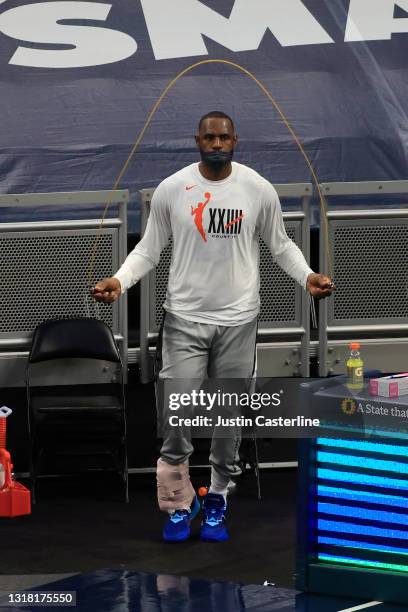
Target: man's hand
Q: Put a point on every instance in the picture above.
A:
(319, 285)
(107, 290)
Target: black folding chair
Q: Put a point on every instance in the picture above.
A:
(76, 419)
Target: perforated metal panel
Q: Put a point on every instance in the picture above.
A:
(277, 289)
(370, 270)
(45, 275)
(160, 287)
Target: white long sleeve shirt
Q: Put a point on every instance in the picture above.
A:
(214, 271)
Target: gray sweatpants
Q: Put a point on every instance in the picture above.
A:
(197, 351)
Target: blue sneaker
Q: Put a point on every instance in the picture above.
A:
(213, 527)
(177, 526)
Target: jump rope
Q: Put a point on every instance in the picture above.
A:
(169, 86)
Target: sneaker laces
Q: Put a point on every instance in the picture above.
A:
(179, 515)
(214, 516)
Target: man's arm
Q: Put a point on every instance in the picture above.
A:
(145, 256)
(285, 252)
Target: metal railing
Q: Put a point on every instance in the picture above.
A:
(370, 258)
(44, 269)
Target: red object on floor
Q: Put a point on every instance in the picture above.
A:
(15, 499)
(202, 491)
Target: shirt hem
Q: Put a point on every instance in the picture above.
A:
(196, 318)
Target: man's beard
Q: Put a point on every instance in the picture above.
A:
(216, 160)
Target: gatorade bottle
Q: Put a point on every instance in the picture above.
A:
(355, 373)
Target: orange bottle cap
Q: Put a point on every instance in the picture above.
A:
(354, 345)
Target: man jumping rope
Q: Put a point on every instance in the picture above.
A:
(215, 210)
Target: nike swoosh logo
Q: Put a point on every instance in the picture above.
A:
(234, 221)
(188, 187)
